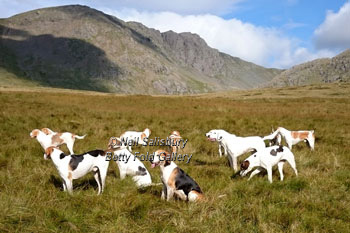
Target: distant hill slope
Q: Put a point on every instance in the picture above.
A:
(81, 48)
(325, 70)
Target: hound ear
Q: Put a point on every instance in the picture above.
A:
(280, 148)
(49, 150)
(34, 133)
(45, 131)
(167, 159)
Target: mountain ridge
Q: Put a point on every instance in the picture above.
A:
(79, 47)
(322, 70)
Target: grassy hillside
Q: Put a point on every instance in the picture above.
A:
(316, 201)
(324, 70)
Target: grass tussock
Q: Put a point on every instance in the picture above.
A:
(317, 201)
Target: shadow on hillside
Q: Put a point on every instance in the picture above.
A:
(56, 61)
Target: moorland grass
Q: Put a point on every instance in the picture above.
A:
(318, 200)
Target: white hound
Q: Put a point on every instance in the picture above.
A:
(71, 167)
(47, 138)
(135, 138)
(266, 159)
(293, 137)
(236, 146)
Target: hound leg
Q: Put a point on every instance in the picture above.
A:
(269, 173)
(69, 185)
(164, 192)
(181, 195)
(64, 186)
(280, 169)
(256, 171)
(103, 175)
(220, 153)
(98, 179)
(235, 163)
(170, 193)
(122, 174)
(229, 157)
(291, 162)
(311, 142)
(225, 148)
(70, 147)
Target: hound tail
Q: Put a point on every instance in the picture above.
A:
(80, 137)
(271, 136)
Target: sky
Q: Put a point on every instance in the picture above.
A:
(271, 33)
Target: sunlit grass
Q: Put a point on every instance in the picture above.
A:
(317, 200)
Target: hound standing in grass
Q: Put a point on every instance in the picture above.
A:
(47, 138)
(293, 137)
(135, 138)
(266, 159)
(236, 146)
(71, 167)
(175, 180)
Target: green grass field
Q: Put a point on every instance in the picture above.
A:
(318, 200)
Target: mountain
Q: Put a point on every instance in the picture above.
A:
(81, 48)
(324, 70)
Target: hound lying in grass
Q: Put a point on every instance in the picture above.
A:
(71, 167)
(47, 138)
(293, 137)
(175, 180)
(212, 136)
(129, 165)
(266, 159)
(236, 146)
(135, 138)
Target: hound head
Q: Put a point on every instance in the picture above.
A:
(276, 140)
(34, 133)
(213, 135)
(49, 151)
(114, 143)
(248, 164)
(161, 158)
(175, 134)
(244, 165)
(147, 132)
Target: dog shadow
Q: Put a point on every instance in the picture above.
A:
(263, 173)
(83, 184)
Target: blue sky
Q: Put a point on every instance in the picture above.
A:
(295, 18)
(272, 33)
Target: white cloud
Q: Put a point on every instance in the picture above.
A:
(180, 6)
(261, 45)
(218, 7)
(334, 32)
